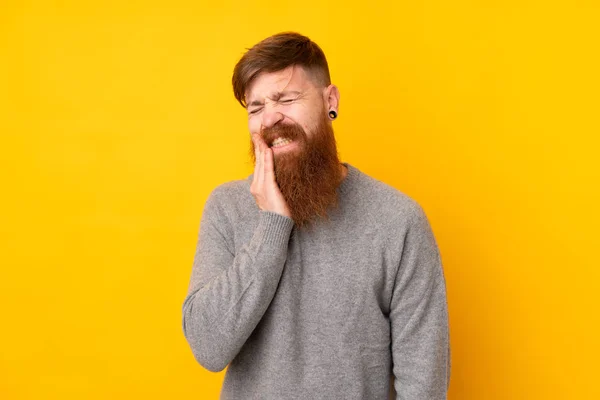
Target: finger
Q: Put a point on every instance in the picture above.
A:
(256, 146)
(262, 145)
(264, 166)
(259, 158)
(260, 170)
(254, 137)
(269, 169)
(256, 159)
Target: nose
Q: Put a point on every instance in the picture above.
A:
(270, 117)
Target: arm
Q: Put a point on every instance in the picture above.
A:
(419, 317)
(229, 293)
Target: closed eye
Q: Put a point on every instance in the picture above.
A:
(286, 101)
(254, 111)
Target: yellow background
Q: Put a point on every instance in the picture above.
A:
(118, 119)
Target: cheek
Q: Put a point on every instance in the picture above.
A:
(302, 117)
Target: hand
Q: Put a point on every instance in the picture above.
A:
(266, 193)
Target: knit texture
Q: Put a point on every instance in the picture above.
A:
(352, 308)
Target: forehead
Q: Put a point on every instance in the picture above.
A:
(266, 84)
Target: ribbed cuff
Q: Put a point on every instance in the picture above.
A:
(276, 228)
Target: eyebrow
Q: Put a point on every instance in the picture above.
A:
(275, 96)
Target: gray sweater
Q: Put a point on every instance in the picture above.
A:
(354, 308)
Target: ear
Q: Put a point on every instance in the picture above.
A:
(331, 98)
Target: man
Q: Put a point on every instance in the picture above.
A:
(312, 280)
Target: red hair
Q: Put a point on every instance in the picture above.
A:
(276, 53)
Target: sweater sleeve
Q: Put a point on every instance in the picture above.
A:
(229, 293)
(419, 317)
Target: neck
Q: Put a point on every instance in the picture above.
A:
(344, 171)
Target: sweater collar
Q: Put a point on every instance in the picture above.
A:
(350, 179)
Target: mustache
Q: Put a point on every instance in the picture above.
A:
(289, 131)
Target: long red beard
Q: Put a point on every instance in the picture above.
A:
(308, 175)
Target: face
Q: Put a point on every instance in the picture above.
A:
(287, 97)
(289, 111)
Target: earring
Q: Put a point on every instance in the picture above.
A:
(332, 114)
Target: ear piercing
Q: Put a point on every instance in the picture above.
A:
(332, 114)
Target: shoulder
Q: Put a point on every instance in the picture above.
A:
(390, 203)
(229, 198)
(399, 217)
(230, 190)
